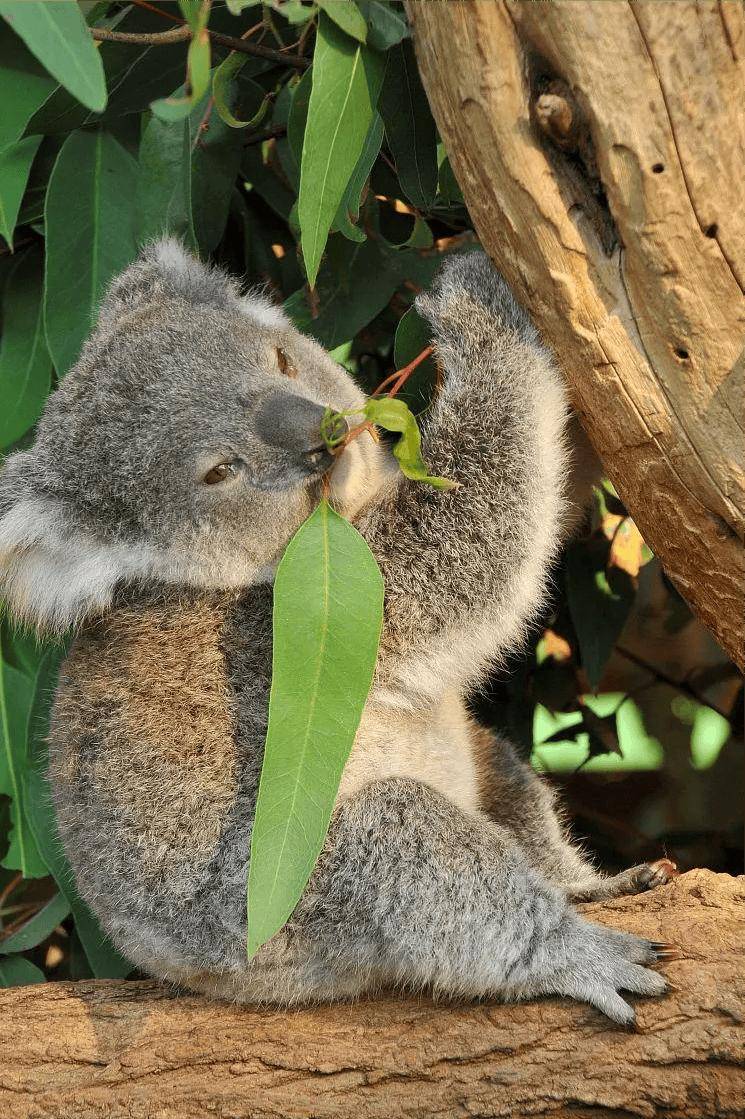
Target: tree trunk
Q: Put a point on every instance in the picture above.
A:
(599, 147)
(135, 1051)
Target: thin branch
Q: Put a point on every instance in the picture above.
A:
(182, 33)
(273, 132)
(664, 678)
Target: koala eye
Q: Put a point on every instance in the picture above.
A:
(286, 365)
(220, 473)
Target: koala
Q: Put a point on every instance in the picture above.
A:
(169, 471)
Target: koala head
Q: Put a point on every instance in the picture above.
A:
(184, 447)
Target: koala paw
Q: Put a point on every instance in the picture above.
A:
(597, 963)
(635, 880)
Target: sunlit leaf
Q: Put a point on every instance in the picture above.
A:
(55, 31)
(89, 228)
(25, 366)
(393, 414)
(346, 83)
(328, 611)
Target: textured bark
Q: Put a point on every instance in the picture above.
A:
(132, 1050)
(599, 147)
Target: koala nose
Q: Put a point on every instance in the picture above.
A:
(292, 423)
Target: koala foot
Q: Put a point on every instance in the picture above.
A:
(645, 876)
(596, 963)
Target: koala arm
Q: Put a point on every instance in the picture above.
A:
(411, 889)
(465, 570)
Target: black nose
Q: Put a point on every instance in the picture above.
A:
(292, 423)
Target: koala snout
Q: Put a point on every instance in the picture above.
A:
(293, 423)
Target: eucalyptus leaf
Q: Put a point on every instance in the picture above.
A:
(409, 127)
(600, 600)
(414, 334)
(15, 167)
(227, 94)
(346, 84)
(38, 927)
(55, 31)
(385, 25)
(328, 613)
(349, 207)
(25, 366)
(346, 15)
(395, 415)
(17, 972)
(24, 86)
(16, 694)
(89, 228)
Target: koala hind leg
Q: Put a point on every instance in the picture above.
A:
(517, 798)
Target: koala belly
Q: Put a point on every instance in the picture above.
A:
(435, 746)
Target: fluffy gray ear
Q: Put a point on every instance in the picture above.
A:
(50, 577)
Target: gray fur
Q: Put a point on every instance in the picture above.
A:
(425, 881)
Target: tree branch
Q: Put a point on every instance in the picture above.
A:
(182, 33)
(110, 1050)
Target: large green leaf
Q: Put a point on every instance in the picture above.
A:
(38, 927)
(186, 178)
(16, 695)
(409, 127)
(17, 972)
(88, 216)
(15, 166)
(55, 31)
(385, 25)
(347, 16)
(346, 83)
(24, 86)
(328, 612)
(105, 961)
(25, 368)
(349, 207)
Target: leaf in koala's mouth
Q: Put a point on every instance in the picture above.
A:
(328, 614)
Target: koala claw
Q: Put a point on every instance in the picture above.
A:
(660, 872)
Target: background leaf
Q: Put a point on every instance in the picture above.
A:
(346, 84)
(409, 127)
(38, 927)
(55, 31)
(347, 16)
(16, 694)
(89, 218)
(25, 367)
(17, 972)
(24, 86)
(15, 167)
(328, 612)
(600, 599)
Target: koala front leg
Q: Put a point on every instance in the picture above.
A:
(465, 570)
(411, 890)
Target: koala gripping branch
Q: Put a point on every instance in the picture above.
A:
(134, 1050)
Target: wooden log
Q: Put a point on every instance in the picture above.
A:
(134, 1050)
(599, 147)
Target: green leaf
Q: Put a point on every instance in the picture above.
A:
(226, 93)
(25, 367)
(409, 127)
(328, 613)
(179, 105)
(15, 167)
(600, 599)
(16, 694)
(105, 961)
(349, 207)
(355, 284)
(38, 927)
(17, 972)
(414, 334)
(346, 83)
(297, 118)
(394, 415)
(346, 15)
(386, 26)
(24, 86)
(235, 7)
(55, 31)
(88, 217)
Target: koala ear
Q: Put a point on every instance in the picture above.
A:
(167, 268)
(52, 573)
(257, 305)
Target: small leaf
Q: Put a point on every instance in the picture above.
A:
(409, 127)
(346, 15)
(38, 927)
(15, 971)
(414, 334)
(235, 7)
(346, 83)
(226, 93)
(394, 415)
(328, 613)
(25, 366)
(88, 218)
(55, 31)
(15, 167)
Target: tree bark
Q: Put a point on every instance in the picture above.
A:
(599, 148)
(134, 1050)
